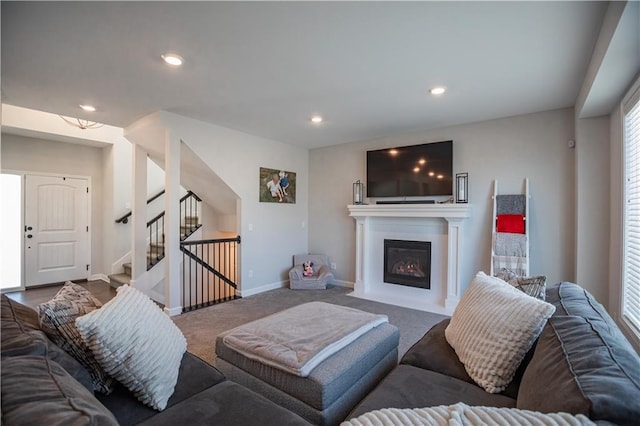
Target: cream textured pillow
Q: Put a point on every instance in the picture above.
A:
(137, 344)
(492, 328)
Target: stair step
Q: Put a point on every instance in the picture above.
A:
(191, 220)
(116, 280)
(186, 231)
(127, 268)
(153, 257)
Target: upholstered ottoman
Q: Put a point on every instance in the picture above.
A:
(333, 387)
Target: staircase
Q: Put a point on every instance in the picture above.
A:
(209, 267)
(155, 253)
(155, 249)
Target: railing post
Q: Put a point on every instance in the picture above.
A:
(139, 216)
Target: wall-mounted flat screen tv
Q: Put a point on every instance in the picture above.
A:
(411, 171)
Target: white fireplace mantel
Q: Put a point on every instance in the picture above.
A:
(444, 211)
(370, 287)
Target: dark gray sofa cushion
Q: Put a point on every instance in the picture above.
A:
(433, 352)
(571, 299)
(37, 391)
(227, 404)
(14, 312)
(413, 387)
(195, 376)
(579, 368)
(21, 335)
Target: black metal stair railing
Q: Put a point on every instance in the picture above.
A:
(125, 218)
(189, 208)
(209, 272)
(155, 252)
(189, 223)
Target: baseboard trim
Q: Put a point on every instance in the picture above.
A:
(347, 284)
(96, 277)
(262, 289)
(172, 312)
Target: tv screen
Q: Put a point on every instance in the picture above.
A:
(411, 171)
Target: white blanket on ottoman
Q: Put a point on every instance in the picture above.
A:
(298, 339)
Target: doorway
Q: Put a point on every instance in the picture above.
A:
(56, 229)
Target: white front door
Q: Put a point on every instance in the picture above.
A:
(56, 229)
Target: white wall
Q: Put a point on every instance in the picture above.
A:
(592, 206)
(271, 233)
(118, 174)
(507, 149)
(44, 156)
(109, 165)
(115, 166)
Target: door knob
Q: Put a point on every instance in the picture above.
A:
(29, 228)
(29, 236)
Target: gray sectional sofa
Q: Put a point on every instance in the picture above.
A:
(581, 364)
(42, 384)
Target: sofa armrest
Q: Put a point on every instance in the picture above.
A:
(296, 273)
(323, 271)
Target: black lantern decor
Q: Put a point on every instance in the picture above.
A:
(358, 191)
(462, 187)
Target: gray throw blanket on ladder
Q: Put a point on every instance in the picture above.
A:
(511, 204)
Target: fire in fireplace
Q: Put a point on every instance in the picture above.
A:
(407, 263)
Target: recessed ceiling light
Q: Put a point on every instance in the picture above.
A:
(173, 59)
(416, 169)
(89, 108)
(393, 151)
(316, 119)
(422, 161)
(437, 90)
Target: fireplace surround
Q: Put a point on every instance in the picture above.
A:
(440, 224)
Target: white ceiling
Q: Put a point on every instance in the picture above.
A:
(264, 68)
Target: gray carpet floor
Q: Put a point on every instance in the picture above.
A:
(202, 326)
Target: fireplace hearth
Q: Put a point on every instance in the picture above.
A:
(407, 263)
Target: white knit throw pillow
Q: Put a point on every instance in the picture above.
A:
(137, 344)
(492, 329)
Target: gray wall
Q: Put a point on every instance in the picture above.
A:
(507, 149)
(592, 206)
(271, 232)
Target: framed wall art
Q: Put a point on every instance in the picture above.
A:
(277, 186)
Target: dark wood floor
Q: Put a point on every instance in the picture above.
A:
(34, 296)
